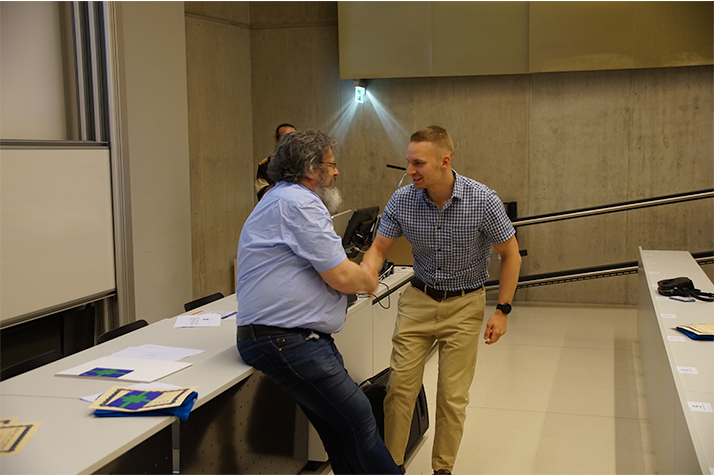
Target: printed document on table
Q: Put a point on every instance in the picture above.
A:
(199, 319)
(126, 399)
(150, 385)
(157, 352)
(700, 329)
(14, 436)
(125, 369)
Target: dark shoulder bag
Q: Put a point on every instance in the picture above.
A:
(682, 287)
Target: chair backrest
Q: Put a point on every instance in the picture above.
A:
(202, 301)
(30, 364)
(120, 331)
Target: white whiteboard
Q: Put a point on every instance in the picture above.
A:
(56, 228)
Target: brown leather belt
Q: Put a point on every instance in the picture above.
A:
(256, 330)
(437, 294)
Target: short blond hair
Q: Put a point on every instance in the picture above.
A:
(436, 135)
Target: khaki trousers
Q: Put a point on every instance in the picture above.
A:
(456, 324)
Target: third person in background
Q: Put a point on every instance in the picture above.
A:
(263, 182)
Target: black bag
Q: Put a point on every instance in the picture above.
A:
(375, 389)
(682, 287)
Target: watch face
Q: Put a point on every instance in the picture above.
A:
(506, 308)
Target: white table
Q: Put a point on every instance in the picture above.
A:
(83, 443)
(72, 441)
(679, 371)
(213, 370)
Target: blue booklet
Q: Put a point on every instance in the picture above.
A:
(698, 331)
(127, 401)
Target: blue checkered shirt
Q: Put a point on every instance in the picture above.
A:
(451, 247)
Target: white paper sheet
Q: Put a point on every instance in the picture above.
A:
(199, 319)
(125, 369)
(157, 352)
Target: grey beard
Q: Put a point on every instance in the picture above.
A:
(330, 196)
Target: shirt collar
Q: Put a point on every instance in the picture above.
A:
(459, 186)
(458, 191)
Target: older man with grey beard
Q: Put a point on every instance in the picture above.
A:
(293, 276)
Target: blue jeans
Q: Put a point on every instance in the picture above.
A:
(310, 369)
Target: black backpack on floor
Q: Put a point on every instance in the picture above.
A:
(375, 389)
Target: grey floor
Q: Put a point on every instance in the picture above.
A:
(561, 393)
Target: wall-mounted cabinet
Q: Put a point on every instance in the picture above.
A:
(590, 36)
(428, 39)
(385, 39)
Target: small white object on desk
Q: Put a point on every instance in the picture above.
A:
(199, 319)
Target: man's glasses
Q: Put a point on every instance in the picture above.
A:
(331, 164)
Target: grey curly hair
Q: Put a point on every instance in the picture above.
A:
(297, 154)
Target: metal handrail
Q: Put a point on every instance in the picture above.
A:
(582, 274)
(618, 207)
(619, 269)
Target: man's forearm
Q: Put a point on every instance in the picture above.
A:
(350, 278)
(366, 280)
(377, 253)
(508, 281)
(373, 259)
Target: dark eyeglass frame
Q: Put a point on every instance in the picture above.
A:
(333, 164)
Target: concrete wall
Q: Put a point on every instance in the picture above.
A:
(31, 72)
(552, 142)
(152, 67)
(220, 138)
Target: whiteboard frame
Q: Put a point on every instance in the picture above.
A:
(56, 229)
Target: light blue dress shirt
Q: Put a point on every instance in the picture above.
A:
(286, 241)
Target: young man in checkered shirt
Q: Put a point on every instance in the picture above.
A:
(451, 222)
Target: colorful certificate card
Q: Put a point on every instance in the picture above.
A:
(125, 369)
(128, 399)
(14, 436)
(102, 372)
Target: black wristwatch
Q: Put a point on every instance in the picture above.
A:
(504, 308)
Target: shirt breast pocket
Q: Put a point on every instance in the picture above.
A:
(417, 236)
(464, 239)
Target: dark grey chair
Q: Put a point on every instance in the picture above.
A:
(120, 331)
(202, 301)
(30, 364)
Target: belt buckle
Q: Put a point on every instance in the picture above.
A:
(445, 296)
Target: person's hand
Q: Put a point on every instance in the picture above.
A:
(373, 274)
(495, 327)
